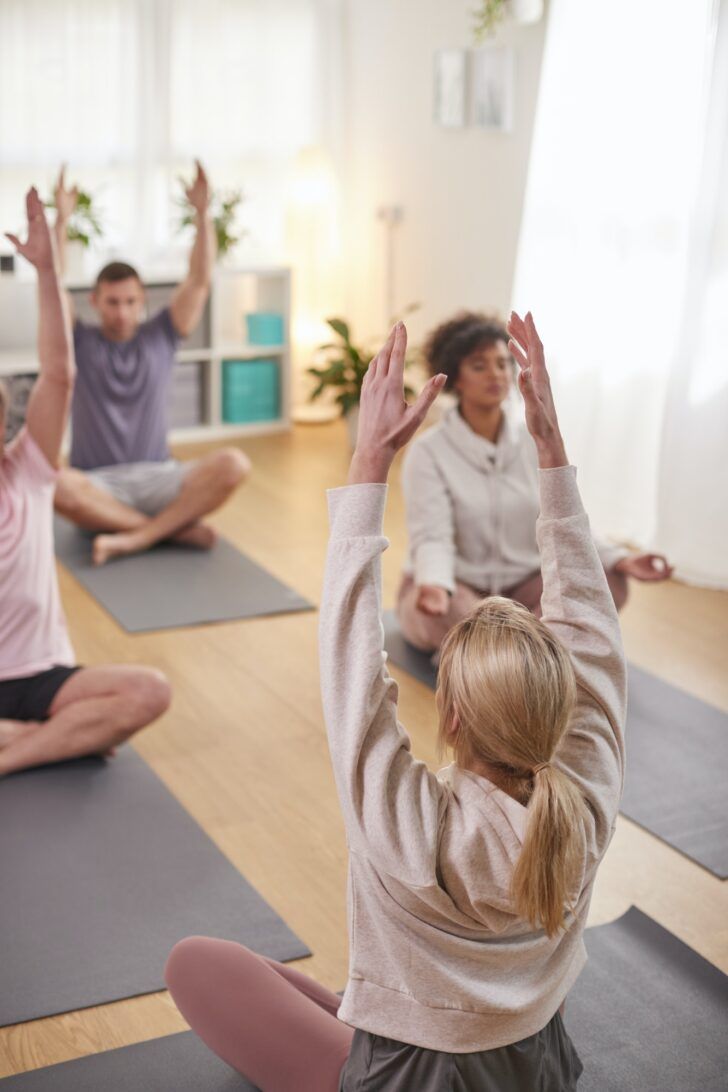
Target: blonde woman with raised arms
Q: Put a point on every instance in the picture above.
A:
(469, 889)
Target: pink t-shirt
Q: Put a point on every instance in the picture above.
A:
(33, 634)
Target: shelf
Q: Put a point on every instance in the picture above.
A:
(18, 362)
(243, 351)
(194, 356)
(235, 292)
(25, 361)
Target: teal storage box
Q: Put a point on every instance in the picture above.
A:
(250, 391)
(264, 328)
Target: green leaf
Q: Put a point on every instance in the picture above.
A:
(340, 327)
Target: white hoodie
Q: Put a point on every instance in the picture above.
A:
(472, 506)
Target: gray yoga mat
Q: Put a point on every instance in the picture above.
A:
(102, 872)
(647, 1013)
(677, 770)
(404, 655)
(171, 586)
(175, 1063)
(677, 759)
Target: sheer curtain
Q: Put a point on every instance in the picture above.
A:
(69, 74)
(129, 92)
(615, 259)
(692, 511)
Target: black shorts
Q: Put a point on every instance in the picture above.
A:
(30, 698)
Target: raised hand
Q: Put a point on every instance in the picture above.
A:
(198, 194)
(386, 421)
(649, 567)
(38, 250)
(535, 386)
(64, 199)
(433, 600)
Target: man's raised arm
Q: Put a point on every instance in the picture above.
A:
(188, 301)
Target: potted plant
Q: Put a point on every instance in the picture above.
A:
(490, 13)
(341, 370)
(83, 226)
(224, 206)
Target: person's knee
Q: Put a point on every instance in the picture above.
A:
(147, 694)
(416, 628)
(197, 964)
(70, 487)
(232, 467)
(184, 962)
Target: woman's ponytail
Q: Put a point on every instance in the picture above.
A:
(509, 684)
(547, 873)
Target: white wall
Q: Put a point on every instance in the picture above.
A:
(462, 190)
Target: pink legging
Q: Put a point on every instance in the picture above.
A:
(273, 1024)
(427, 632)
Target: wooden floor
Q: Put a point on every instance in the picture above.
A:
(243, 746)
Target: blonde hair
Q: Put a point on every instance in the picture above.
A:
(508, 684)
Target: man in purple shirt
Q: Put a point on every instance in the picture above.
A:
(122, 482)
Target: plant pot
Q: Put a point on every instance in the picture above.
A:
(526, 11)
(75, 261)
(352, 425)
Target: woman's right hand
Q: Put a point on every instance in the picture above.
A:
(432, 600)
(535, 386)
(38, 250)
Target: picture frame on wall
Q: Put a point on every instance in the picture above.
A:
(491, 88)
(450, 87)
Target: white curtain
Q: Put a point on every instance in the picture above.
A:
(622, 258)
(129, 92)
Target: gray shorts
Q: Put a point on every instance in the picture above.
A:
(148, 487)
(545, 1062)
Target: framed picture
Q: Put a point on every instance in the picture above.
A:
(450, 87)
(491, 88)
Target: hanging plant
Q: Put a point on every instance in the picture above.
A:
(488, 15)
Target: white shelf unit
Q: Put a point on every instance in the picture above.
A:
(220, 336)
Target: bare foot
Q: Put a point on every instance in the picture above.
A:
(199, 535)
(107, 547)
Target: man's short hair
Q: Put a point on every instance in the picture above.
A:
(117, 271)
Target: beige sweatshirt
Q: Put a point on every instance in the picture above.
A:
(438, 957)
(472, 506)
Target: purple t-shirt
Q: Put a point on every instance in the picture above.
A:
(119, 412)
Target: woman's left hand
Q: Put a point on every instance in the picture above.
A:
(650, 567)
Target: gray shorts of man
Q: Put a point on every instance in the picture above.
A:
(147, 487)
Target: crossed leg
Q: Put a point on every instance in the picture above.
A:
(273, 1024)
(427, 633)
(207, 484)
(95, 710)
